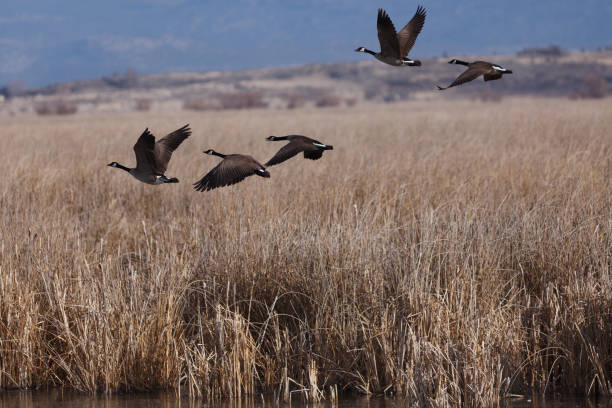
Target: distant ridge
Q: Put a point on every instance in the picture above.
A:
(350, 82)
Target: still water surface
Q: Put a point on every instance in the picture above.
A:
(56, 398)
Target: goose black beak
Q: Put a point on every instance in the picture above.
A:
(508, 72)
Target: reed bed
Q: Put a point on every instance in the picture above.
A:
(444, 252)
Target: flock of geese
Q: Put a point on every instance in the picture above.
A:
(394, 49)
(152, 156)
(152, 159)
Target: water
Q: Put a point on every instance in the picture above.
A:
(58, 398)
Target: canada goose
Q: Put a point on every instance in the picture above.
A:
(489, 71)
(313, 149)
(394, 47)
(233, 169)
(152, 157)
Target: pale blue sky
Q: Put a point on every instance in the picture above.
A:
(46, 41)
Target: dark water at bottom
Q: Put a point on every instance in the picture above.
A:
(57, 398)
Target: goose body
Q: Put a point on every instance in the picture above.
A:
(475, 69)
(313, 149)
(152, 157)
(394, 47)
(231, 170)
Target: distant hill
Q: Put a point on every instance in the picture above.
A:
(544, 73)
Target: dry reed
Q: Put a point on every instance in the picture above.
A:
(450, 253)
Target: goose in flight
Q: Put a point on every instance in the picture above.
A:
(231, 170)
(152, 157)
(475, 69)
(313, 149)
(394, 47)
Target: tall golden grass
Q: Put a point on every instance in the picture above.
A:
(446, 252)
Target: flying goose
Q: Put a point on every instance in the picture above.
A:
(313, 149)
(489, 71)
(394, 47)
(233, 169)
(152, 157)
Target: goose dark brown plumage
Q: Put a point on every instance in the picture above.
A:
(152, 157)
(394, 47)
(313, 149)
(475, 69)
(231, 170)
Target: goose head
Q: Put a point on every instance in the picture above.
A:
(119, 166)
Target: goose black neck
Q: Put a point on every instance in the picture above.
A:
(218, 154)
(369, 51)
(122, 167)
(460, 62)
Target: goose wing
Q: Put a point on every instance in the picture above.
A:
(286, 152)
(145, 155)
(493, 76)
(233, 169)
(468, 75)
(168, 144)
(387, 36)
(408, 35)
(314, 154)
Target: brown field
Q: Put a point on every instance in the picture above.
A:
(446, 252)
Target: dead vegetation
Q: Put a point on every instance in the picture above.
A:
(450, 253)
(242, 100)
(198, 103)
(328, 100)
(489, 95)
(230, 100)
(56, 107)
(295, 100)
(593, 87)
(143, 104)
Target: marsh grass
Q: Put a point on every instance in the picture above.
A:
(449, 253)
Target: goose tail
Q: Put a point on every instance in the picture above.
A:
(170, 180)
(411, 63)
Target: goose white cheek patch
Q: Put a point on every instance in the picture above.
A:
(319, 145)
